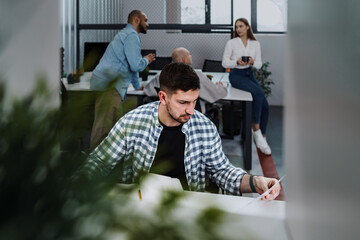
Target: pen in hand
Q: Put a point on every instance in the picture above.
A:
(270, 189)
(263, 194)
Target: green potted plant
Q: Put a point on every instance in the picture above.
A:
(262, 75)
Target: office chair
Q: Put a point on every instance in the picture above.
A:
(213, 109)
(212, 66)
(231, 118)
(160, 62)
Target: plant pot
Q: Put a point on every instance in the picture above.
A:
(144, 76)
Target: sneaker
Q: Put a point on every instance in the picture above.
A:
(261, 142)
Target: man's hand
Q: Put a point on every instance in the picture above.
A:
(261, 184)
(150, 57)
(141, 88)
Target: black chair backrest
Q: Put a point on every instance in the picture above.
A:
(160, 62)
(212, 66)
(93, 52)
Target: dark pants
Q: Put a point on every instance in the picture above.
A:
(244, 79)
(107, 113)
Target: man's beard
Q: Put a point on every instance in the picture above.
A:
(179, 118)
(142, 29)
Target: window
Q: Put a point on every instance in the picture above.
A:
(268, 16)
(271, 15)
(219, 12)
(242, 8)
(193, 12)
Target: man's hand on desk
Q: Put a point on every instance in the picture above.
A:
(261, 184)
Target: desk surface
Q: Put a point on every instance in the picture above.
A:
(245, 218)
(155, 184)
(233, 93)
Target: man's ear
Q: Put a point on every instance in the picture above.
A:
(162, 97)
(137, 20)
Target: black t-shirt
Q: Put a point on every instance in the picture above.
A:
(169, 157)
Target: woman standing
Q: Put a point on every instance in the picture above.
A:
(241, 53)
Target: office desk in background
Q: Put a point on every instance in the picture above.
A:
(234, 95)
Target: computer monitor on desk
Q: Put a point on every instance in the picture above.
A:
(145, 52)
(93, 52)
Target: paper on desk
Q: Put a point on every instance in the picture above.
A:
(154, 185)
(264, 194)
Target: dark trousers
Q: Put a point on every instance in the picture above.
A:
(244, 79)
(107, 113)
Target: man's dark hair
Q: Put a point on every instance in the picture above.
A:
(178, 76)
(133, 14)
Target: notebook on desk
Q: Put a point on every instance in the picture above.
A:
(154, 184)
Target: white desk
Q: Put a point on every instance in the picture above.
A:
(234, 95)
(245, 218)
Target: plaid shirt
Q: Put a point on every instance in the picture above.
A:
(132, 144)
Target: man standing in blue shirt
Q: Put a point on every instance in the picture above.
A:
(119, 66)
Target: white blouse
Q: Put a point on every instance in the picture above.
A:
(235, 48)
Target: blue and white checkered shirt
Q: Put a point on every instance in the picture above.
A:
(133, 140)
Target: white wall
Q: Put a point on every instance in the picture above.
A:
(273, 51)
(32, 46)
(322, 116)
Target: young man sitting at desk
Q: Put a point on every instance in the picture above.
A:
(171, 132)
(209, 92)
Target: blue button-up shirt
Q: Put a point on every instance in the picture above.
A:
(133, 141)
(122, 60)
